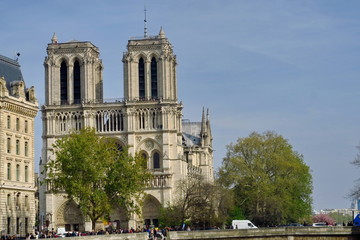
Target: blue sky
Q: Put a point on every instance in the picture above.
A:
(292, 67)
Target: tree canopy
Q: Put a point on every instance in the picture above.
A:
(271, 183)
(199, 203)
(96, 173)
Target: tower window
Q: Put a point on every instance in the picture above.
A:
(156, 160)
(154, 90)
(63, 83)
(77, 84)
(141, 78)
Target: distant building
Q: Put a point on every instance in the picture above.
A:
(355, 204)
(147, 121)
(18, 108)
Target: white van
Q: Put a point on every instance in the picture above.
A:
(242, 224)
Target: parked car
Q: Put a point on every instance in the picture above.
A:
(320, 224)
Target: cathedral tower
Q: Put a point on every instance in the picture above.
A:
(149, 69)
(73, 73)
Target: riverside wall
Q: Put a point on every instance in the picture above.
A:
(283, 233)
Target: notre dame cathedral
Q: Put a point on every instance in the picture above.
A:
(148, 120)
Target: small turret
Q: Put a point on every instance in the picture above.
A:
(54, 39)
(161, 33)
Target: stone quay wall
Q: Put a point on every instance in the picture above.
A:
(283, 233)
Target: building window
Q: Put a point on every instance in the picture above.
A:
(26, 202)
(17, 225)
(18, 147)
(8, 145)
(17, 124)
(26, 128)
(26, 173)
(26, 148)
(145, 157)
(141, 78)
(154, 88)
(8, 122)
(77, 84)
(18, 199)
(8, 225)
(156, 160)
(8, 201)
(63, 82)
(26, 225)
(17, 172)
(9, 171)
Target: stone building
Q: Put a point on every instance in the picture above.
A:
(148, 120)
(18, 108)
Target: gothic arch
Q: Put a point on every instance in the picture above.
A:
(148, 145)
(145, 155)
(155, 55)
(69, 213)
(76, 58)
(121, 144)
(156, 159)
(151, 210)
(61, 59)
(141, 55)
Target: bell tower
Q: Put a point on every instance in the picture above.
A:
(73, 73)
(149, 69)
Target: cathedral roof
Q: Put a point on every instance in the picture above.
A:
(191, 133)
(10, 70)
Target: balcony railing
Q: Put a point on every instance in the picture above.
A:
(160, 181)
(113, 100)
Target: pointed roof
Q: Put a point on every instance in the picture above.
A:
(203, 124)
(162, 33)
(54, 38)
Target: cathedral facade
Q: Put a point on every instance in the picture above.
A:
(18, 108)
(148, 120)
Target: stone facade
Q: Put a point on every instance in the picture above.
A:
(18, 108)
(147, 121)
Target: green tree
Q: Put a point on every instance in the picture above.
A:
(271, 183)
(199, 203)
(96, 174)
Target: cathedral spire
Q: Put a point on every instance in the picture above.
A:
(203, 132)
(54, 39)
(145, 24)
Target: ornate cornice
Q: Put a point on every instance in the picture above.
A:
(20, 108)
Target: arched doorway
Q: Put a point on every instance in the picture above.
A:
(151, 211)
(70, 217)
